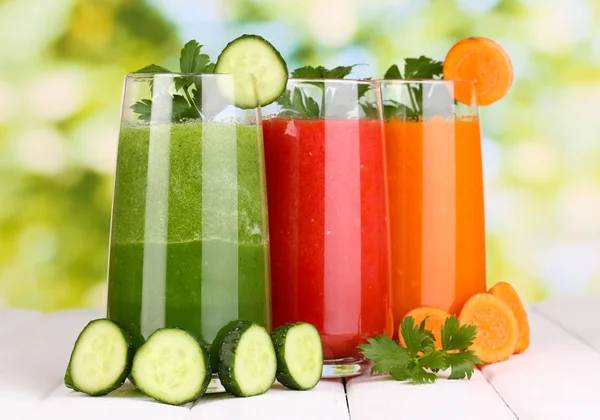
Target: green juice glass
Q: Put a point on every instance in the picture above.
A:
(189, 243)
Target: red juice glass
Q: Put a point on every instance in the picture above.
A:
(328, 215)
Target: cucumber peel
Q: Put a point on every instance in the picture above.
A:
(217, 343)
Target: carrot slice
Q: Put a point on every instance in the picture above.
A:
(436, 319)
(483, 62)
(497, 327)
(509, 295)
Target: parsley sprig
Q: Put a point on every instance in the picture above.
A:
(419, 361)
(414, 68)
(187, 103)
(296, 103)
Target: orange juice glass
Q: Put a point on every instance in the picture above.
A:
(433, 156)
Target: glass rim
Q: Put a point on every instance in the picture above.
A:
(427, 81)
(135, 76)
(326, 80)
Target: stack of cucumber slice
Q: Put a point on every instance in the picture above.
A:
(174, 367)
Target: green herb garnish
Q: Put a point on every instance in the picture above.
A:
(414, 68)
(297, 104)
(419, 361)
(320, 72)
(187, 104)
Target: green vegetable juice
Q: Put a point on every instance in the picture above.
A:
(189, 234)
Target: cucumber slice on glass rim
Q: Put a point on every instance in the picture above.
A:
(252, 54)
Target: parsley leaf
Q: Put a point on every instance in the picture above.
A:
(182, 110)
(414, 371)
(461, 364)
(165, 108)
(416, 337)
(153, 69)
(188, 105)
(320, 72)
(143, 108)
(414, 68)
(191, 61)
(455, 336)
(421, 376)
(308, 72)
(419, 361)
(393, 73)
(386, 353)
(423, 68)
(297, 104)
(459, 337)
(309, 108)
(210, 68)
(404, 373)
(434, 360)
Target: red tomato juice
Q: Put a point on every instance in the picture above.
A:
(326, 188)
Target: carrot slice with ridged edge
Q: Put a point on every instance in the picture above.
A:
(483, 62)
(436, 319)
(497, 327)
(509, 295)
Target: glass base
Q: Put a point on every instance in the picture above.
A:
(343, 368)
(215, 387)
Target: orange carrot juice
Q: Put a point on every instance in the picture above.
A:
(436, 212)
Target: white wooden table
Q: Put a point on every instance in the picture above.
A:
(554, 379)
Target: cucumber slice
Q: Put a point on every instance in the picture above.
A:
(254, 55)
(299, 355)
(217, 343)
(101, 358)
(247, 361)
(172, 367)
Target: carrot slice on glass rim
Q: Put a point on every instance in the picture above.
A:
(497, 328)
(483, 62)
(509, 295)
(435, 320)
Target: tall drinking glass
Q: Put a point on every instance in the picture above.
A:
(189, 241)
(326, 185)
(435, 183)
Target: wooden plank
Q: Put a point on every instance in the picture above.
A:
(34, 360)
(13, 319)
(577, 315)
(382, 397)
(125, 403)
(327, 401)
(553, 380)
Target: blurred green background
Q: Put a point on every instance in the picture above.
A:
(62, 64)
